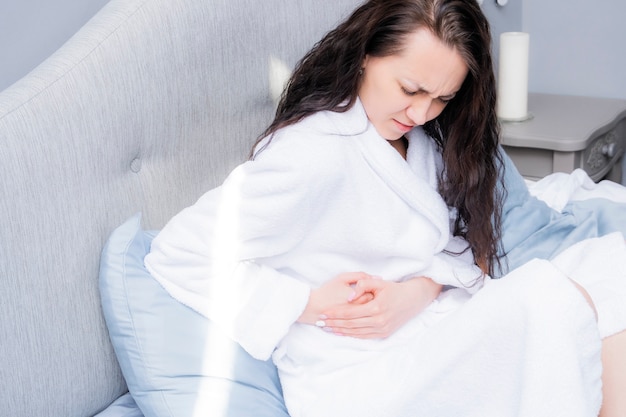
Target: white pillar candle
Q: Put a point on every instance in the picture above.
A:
(512, 95)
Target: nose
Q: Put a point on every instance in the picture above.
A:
(417, 111)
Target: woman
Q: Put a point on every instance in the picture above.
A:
(383, 158)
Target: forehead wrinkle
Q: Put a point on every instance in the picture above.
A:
(420, 88)
(417, 73)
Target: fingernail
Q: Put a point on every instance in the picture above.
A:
(323, 317)
(328, 329)
(351, 296)
(320, 323)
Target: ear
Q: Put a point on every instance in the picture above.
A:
(364, 63)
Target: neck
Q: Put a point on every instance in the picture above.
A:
(401, 145)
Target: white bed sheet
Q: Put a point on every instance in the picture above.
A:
(559, 188)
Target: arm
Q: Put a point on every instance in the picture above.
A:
(215, 256)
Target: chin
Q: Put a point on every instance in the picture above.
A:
(396, 135)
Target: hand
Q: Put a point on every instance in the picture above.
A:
(393, 304)
(338, 292)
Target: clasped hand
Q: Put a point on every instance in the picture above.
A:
(360, 305)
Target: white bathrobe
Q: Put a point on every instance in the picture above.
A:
(329, 195)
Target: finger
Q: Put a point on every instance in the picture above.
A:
(366, 332)
(349, 326)
(370, 285)
(365, 286)
(353, 277)
(351, 312)
(363, 299)
(363, 335)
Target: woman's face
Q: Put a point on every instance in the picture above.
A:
(412, 87)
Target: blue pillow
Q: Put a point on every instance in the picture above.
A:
(176, 362)
(124, 406)
(531, 229)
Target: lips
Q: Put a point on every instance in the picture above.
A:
(402, 127)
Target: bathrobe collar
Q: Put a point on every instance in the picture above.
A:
(415, 180)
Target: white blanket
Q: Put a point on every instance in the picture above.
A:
(525, 345)
(560, 188)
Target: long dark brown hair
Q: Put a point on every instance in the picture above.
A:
(328, 78)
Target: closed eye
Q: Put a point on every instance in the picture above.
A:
(409, 92)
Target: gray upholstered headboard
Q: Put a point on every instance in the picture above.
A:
(144, 109)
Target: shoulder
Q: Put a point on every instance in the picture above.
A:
(312, 145)
(324, 126)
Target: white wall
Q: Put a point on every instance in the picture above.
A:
(577, 47)
(31, 30)
(502, 19)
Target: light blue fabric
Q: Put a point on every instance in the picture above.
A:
(176, 362)
(531, 229)
(125, 406)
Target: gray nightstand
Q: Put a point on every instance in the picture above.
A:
(568, 132)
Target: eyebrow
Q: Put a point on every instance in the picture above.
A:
(449, 96)
(418, 88)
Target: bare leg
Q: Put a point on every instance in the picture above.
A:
(613, 370)
(614, 376)
(587, 297)
(585, 262)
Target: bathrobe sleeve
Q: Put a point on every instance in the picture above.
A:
(454, 266)
(211, 256)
